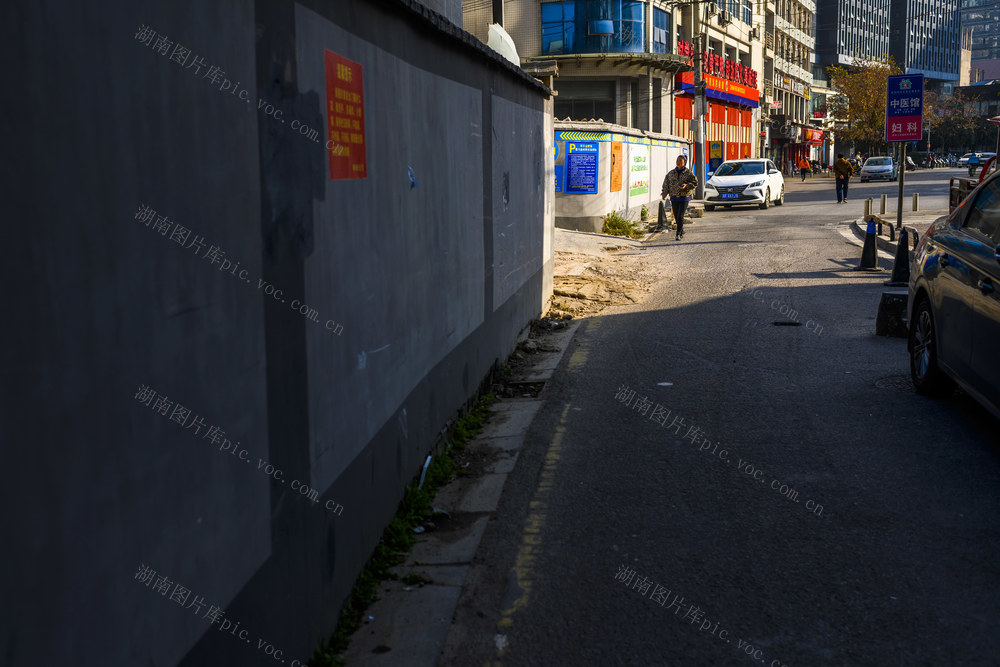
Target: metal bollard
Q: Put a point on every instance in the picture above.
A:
(881, 206)
(916, 201)
(868, 207)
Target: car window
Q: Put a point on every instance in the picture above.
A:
(740, 168)
(770, 166)
(878, 161)
(984, 216)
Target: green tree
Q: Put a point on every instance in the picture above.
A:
(859, 100)
(954, 120)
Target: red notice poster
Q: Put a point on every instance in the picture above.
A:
(346, 113)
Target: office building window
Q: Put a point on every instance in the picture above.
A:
(748, 12)
(583, 100)
(593, 26)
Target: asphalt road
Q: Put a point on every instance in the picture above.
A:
(848, 521)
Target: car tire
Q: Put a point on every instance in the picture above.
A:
(864, 180)
(767, 200)
(928, 378)
(709, 208)
(781, 197)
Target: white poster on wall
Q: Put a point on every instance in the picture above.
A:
(638, 178)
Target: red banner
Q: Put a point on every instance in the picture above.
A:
(346, 114)
(812, 136)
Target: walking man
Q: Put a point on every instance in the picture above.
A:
(843, 170)
(679, 184)
(804, 168)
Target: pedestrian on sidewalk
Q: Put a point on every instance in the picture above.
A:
(804, 168)
(843, 170)
(679, 185)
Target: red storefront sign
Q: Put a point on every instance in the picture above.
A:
(346, 114)
(812, 136)
(721, 89)
(719, 66)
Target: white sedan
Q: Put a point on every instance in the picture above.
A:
(876, 168)
(740, 182)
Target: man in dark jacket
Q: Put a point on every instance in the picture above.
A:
(679, 185)
(843, 170)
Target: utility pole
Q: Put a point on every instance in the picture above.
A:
(901, 173)
(699, 100)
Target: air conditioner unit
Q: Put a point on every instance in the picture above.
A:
(725, 18)
(755, 33)
(713, 9)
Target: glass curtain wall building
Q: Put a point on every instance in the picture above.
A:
(594, 26)
(982, 17)
(926, 38)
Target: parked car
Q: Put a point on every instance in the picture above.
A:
(740, 182)
(877, 168)
(954, 301)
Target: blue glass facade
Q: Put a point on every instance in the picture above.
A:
(593, 26)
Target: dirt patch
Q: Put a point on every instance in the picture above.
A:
(586, 284)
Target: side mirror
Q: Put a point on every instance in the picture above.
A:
(772, 171)
(710, 174)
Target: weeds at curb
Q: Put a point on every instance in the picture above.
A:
(398, 537)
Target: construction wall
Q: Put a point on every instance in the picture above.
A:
(630, 168)
(235, 338)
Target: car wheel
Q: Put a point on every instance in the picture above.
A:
(928, 378)
(767, 199)
(864, 180)
(781, 198)
(709, 208)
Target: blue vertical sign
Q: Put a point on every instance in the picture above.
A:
(904, 107)
(581, 167)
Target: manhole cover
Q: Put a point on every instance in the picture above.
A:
(786, 323)
(895, 382)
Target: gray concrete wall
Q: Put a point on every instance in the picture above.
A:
(427, 285)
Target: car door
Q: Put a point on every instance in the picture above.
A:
(775, 180)
(982, 225)
(951, 292)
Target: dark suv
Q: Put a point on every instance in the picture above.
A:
(954, 304)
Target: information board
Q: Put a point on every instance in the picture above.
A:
(346, 117)
(581, 167)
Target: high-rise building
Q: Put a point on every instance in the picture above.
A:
(982, 17)
(849, 29)
(925, 38)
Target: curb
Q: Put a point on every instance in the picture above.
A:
(882, 244)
